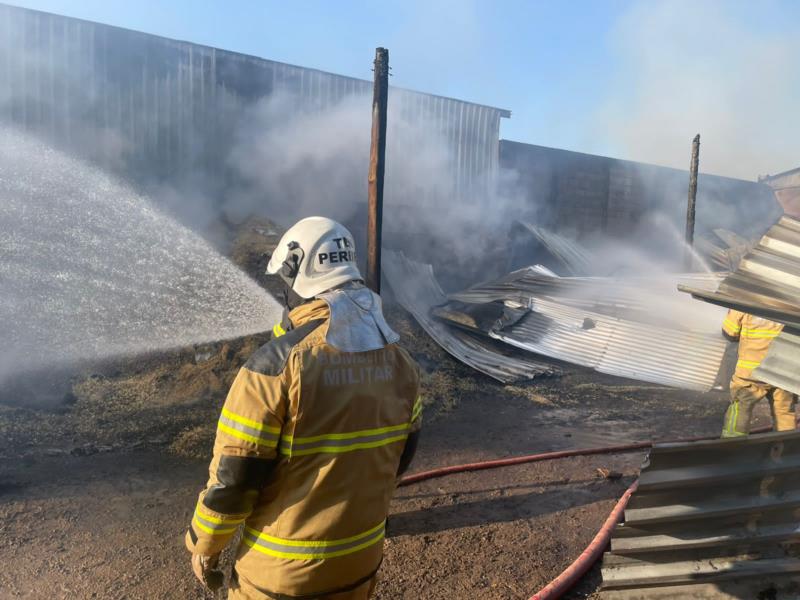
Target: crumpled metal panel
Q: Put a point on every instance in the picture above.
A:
(715, 520)
(767, 281)
(724, 249)
(650, 299)
(625, 348)
(416, 289)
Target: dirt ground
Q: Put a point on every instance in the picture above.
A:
(97, 490)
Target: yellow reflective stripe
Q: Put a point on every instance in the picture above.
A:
(248, 422)
(731, 326)
(313, 556)
(731, 430)
(417, 409)
(214, 525)
(315, 543)
(759, 333)
(343, 436)
(341, 449)
(218, 520)
(313, 550)
(748, 364)
(732, 419)
(246, 436)
(278, 331)
(210, 531)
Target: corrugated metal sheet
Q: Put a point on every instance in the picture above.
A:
(616, 346)
(416, 289)
(574, 259)
(166, 100)
(781, 367)
(716, 519)
(647, 299)
(767, 281)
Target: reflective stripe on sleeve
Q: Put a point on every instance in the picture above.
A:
(214, 525)
(313, 550)
(337, 443)
(278, 331)
(248, 430)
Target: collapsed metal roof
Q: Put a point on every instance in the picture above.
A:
(417, 290)
(651, 299)
(715, 519)
(638, 328)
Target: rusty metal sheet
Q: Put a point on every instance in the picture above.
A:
(416, 289)
(716, 519)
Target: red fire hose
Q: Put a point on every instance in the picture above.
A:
(518, 460)
(572, 574)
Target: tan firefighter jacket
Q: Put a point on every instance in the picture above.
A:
(755, 334)
(307, 451)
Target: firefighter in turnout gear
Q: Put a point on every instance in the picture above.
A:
(754, 335)
(315, 431)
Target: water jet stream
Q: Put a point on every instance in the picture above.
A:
(90, 269)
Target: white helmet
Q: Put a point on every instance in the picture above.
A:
(316, 254)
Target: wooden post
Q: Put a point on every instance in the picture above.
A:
(377, 162)
(690, 209)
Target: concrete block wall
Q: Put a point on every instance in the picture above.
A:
(581, 195)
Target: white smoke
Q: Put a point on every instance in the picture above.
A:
(704, 67)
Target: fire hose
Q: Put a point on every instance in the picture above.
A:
(578, 568)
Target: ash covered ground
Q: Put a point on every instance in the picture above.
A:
(96, 490)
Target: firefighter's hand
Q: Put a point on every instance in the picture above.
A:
(205, 569)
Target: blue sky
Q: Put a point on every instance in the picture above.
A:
(633, 79)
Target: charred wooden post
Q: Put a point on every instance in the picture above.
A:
(377, 161)
(690, 209)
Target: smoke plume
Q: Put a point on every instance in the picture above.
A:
(713, 68)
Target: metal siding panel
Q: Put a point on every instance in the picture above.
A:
(711, 520)
(180, 85)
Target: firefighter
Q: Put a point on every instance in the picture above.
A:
(754, 335)
(315, 430)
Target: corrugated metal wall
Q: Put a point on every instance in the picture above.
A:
(713, 520)
(153, 103)
(582, 194)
